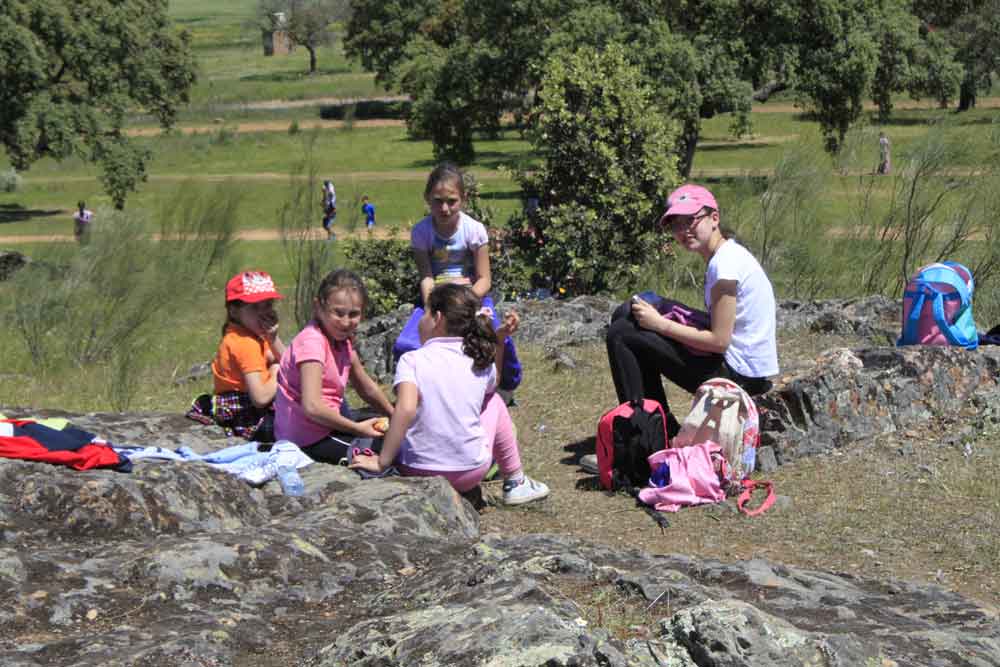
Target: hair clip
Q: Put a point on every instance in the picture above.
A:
(485, 310)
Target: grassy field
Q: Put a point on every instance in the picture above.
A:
(234, 69)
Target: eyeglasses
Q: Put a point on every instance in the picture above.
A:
(680, 224)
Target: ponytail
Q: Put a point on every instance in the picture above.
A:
(480, 340)
(463, 317)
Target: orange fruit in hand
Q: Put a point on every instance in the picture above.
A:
(382, 425)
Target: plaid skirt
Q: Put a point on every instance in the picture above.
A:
(236, 413)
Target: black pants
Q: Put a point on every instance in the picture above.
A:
(638, 357)
(334, 447)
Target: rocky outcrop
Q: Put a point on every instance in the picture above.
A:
(178, 564)
(550, 323)
(851, 395)
(875, 318)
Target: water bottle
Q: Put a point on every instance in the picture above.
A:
(291, 482)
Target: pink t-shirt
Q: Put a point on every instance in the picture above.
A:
(447, 433)
(311, 344)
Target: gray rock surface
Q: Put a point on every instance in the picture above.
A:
(178, 564)
(550, 323)
(556, 324)
(876, 318)
(852, 395)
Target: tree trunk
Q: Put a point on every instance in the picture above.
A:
(967, 92)
(312, 59)
(688, 143)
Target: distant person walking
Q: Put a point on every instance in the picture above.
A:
(329, 208)
(884, 154)
(81, 221)
(368, 209)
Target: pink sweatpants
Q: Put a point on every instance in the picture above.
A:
(499, 429)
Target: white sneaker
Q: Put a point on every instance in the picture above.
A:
(525, 492)
(589, 464)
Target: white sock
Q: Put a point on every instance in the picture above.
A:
(517, 478)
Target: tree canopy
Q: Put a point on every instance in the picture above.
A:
(71, 71)
(467, 62)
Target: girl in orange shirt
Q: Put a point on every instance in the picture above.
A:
(245, 367)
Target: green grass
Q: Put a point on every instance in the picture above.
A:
(234, 70)
(380, 162)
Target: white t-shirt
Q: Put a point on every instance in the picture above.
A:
(453, 257)
(753, 349)
(447, 433)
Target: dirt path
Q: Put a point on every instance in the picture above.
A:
(261, 126)
(397, 175)
(902, 105)
(242, 235)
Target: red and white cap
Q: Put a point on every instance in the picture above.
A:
(251, 287)
(688, 200)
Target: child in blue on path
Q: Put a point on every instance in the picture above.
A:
(368, 209)
(451, 247)
(448, 420)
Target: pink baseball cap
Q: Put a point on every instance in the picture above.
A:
(251, 287)
(688, 200)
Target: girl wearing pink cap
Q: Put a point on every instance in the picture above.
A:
(245, 368)
(739, 342)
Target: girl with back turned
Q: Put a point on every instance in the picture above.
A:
(449, 421)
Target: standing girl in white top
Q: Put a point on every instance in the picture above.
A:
(740, 343)
(448, 421)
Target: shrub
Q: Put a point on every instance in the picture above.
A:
(387, 267)
(293, 128)
(309, 259)
(366, 110)
(223, 136)
(101, 305)
(607, 164)
(923, 212)
(10, 180)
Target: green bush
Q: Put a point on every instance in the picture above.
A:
(607, 163)
(387, 267)
(10, 180)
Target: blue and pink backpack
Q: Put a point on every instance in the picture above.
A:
(937, 307)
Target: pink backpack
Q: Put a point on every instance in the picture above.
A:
(692, 476)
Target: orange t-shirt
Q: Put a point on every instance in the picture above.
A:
(240, 352)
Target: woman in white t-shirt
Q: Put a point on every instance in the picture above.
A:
(740, 342)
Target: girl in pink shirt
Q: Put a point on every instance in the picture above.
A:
(315, 369)
(449, 421)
